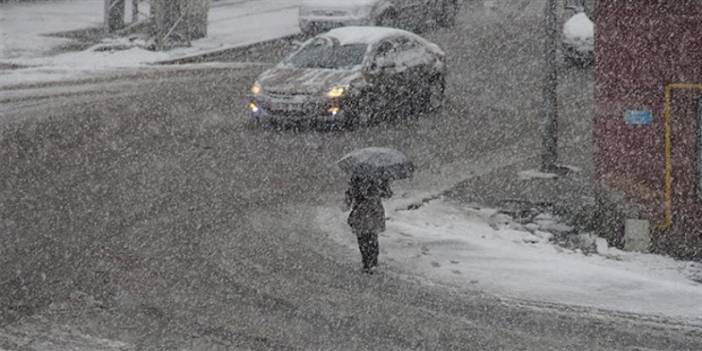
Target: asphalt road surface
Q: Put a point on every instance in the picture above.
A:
(140, 213)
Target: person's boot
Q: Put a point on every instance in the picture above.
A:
(366, 265)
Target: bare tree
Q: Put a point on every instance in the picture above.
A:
(177, 22)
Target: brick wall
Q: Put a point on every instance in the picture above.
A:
(642, 46)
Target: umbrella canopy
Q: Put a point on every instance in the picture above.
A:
(378, 162)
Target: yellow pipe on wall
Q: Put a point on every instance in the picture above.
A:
(668, 120)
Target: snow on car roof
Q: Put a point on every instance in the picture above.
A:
(337, 3)
(579, 26)
(365, 35)
(371, 35)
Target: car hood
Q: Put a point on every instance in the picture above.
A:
(287, 80)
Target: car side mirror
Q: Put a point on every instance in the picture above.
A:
(387, 65)
(379, 66)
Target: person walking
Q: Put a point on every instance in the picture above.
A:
(367, 217)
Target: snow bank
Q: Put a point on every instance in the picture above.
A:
(25, 24)
(482, 249)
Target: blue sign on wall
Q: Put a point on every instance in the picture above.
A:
(638, 117)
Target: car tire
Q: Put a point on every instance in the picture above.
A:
(386, 19)
(252, 123)
(307, 33)
(447, 15)
(350, 122)
(434, 95)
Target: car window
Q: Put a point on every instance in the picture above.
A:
(385, 49)
(327, 54)
(408, 51)
(402, 43)
(384, 54)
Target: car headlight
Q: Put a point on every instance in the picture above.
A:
(336, 92)
(256, 89)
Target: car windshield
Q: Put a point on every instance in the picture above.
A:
(323, 54)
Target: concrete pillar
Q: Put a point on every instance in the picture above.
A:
(198, 18)
(177, 22)
(114, 15)
(637, 235)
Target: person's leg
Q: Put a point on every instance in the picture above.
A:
(373, 249)
(364, 248)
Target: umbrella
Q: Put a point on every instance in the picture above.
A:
(379, 162)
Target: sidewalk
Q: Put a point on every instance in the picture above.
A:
(476, 248)
(24, 25)
(29, 56)
(497, 232)
(522, 191)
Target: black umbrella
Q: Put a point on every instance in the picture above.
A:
(377, 162)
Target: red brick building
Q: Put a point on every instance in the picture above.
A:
(648, 120)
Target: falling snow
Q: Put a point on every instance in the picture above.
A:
(194, 198)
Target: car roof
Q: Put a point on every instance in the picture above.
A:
(365, 35)
(337, 3)
(372, 35)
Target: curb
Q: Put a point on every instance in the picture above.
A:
(126, 74)
(212, 54)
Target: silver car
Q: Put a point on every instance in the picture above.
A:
(317, 16)
(352, 75)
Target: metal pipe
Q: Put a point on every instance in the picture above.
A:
(549, 155)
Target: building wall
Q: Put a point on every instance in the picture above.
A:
(642, 46)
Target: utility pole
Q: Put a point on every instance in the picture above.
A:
(549, 155)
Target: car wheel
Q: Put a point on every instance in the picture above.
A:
(434, 94)
(252, 123)
(351, 121)
(448, 13)
(386, 19)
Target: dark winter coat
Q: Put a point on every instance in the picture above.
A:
(364, 196)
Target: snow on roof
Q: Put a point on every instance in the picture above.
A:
(365, 35)
(579, 26)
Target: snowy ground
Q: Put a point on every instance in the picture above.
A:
(232, 23)
(24, 24)
(481, 249)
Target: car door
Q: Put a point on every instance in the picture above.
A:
(414, 67)
(384, 77)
